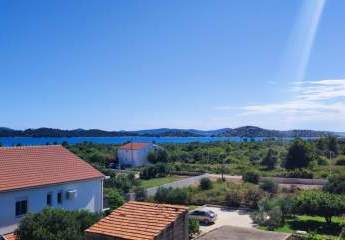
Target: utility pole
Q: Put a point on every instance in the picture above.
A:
(330, 162)
(222, 167)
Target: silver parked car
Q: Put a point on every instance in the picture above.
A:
(205, 216)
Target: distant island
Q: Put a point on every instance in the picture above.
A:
(246, 131)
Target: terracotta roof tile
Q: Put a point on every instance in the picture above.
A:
(134, 146)
(138, 220)
(9, 236)
(33, 166)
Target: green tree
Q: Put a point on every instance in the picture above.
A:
(335, 184)
(270, 161)
(333, 145)
(319, 203)
(158, 155)
(299, 155)
(55, 224)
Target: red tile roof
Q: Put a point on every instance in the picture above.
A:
(33, 166)
(134, 146)
(138, 220)
(9, 236)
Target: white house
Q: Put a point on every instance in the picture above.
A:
(33, 178)
(134, 154)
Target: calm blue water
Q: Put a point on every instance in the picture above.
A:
(11, 141)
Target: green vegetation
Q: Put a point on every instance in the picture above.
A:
(154, 171)
(172, 195)
(335, 184)
(315, 225)
(269, 158)
(251, 177)
(194, 227)
(270, 161)
(205, 184)
(55, 224)
(158, 155)
(299, 155)
(222, 193)
(319, 203)
(315, 211)
(115, 199)
(269, 186)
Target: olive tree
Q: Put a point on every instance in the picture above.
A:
(319, 203)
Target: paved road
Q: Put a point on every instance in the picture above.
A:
(232, 217)
(178, 184)
(284, 182)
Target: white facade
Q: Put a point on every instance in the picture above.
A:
(134, 157)
(84, 194)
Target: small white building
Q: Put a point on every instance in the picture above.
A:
(134, 154)
(33, 178)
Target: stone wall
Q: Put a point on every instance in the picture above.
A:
(177, 230)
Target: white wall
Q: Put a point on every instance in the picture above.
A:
(134, 158)
(89, 197)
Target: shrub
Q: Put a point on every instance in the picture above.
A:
(158, 155)
(322, 161)
(158, 170)
(340, 161)
(335, 184)
(273, 211)
(194, 227)
(55, 224)
(269, 186)
(172, 196)
(252, 196)
(271, 218)
(115, 199)
(122, 181)
(252, 177)
(233, 198)
(298, 173)
(148, 172)
(205, 184)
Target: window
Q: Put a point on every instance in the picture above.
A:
(60, 197)
(49, 199)
(21, 207)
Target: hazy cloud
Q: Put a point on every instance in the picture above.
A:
(315, 103)
(314, 98)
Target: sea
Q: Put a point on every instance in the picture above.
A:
(13, 141)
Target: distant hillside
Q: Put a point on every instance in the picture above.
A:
(247, 131)
(251, 131)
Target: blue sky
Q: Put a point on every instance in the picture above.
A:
(187, 64)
